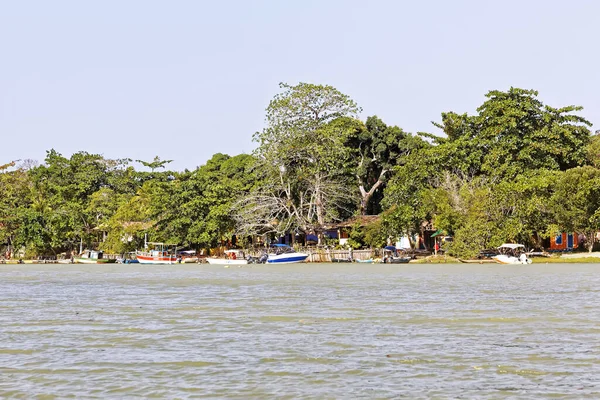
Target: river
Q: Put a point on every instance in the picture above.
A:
(300, 331)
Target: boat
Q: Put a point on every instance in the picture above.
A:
(476, 261)
(512, 253)
(161, 253)
(187, 256)
(232, 257)
(262, 259)
(368, 261)
(284, 254)
(128, 258)
(392, 255)
(92, 257)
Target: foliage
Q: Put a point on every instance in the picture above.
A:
(375, 235)
(489, 178)
(515, 171)
(356, 240)
(298, 156)
(593, 150)
(374, 149)
(576, 202)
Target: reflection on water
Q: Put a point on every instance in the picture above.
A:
(304, 330)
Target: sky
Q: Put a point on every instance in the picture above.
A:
(186, 79)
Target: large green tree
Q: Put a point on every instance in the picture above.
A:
(15, 201)
(64, 189)
(196, 208)
(513, 135)
(374, 149)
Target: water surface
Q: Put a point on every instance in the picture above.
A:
(300, 331)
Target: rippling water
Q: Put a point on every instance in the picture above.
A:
(304, 330)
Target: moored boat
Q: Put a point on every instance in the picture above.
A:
(512, 253)
(392, 255)
(188, 256)
(92, 257)
(232, 257)
(284, 254)
(161, 254)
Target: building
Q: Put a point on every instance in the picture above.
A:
(564, 241)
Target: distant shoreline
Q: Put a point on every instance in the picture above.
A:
(437, 260)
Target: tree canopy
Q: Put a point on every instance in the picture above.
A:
(516, 170)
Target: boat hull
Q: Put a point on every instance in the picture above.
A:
(369, 261)
(398, 260)
(156, 260)
(482, 261)
(79, 260)
(226, 261)
(504, 259)
(286, 258)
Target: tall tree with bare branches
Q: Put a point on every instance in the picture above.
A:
(301, 157)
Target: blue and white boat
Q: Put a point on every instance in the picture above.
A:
(284, 254)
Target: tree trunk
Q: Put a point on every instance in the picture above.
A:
(591, 238)
(366, 196)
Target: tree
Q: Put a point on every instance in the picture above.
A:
(374, 150)
(132, 219)
(15, 199)
(593, 150)
(300, 157)
(64, 188)
(576, 202)
(155, 164)
(197, 210)
(512, 136)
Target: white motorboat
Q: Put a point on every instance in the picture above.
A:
(284, 254)
(232, 257)
(512, 253)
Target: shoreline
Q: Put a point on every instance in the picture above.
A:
(439, 260)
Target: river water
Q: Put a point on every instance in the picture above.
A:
(300, 331)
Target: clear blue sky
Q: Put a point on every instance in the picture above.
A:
(186, 79)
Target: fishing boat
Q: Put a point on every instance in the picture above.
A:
(512, 253)
(188, 256)
(161, 253)
(92, 257)
(232, 257)
(284, 254)
(392, 255)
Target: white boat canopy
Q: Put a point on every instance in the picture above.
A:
(511, 246)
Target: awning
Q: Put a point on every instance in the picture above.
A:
(438, 232)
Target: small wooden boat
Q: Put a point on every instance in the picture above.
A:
(92, 257)
(342, 260)
(392, 255)
(232, 257)
(482, 261)
(161, 254)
